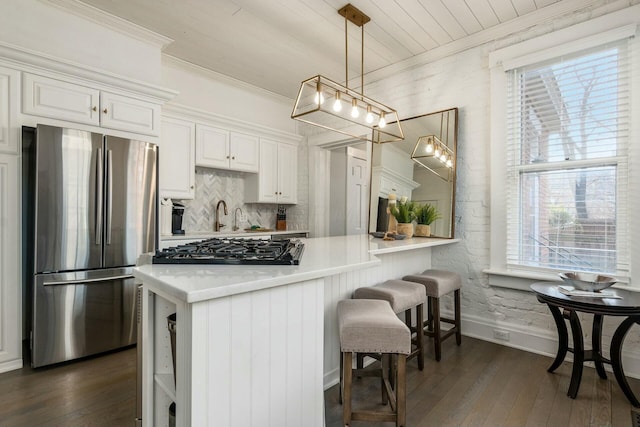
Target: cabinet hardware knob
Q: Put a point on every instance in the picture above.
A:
(95, 108)
(192, 187)
(276, 193)
(233, 158)
(104, 111)
(227, 157)
(280, 193)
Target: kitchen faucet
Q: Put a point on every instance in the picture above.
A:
(218, 225)
(235, 218)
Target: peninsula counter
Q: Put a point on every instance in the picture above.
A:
(257, 345)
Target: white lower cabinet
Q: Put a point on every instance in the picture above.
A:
(10, 281)
(276, 181)
(177, 159)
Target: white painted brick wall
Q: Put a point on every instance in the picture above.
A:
(463, 81)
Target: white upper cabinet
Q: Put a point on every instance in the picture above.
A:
(177, 159)
(223, 149)
(57, 99)
(8, 109)
(276, 182)
(128, 114)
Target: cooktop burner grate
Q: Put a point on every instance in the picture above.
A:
(233, 251)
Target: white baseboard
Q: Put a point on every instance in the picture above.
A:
(534, 340)
(10, 365)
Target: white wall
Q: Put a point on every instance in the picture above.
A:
(39, 26)
(462, 80)
(215, 93)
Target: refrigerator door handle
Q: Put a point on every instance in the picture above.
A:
(109, 194)
(83, 281)
(99, 196)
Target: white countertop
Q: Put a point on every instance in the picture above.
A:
(322, 257)
(240, 233)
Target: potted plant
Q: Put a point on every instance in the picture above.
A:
(425, 215)
(404, 213)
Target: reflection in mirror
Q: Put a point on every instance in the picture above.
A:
(423, 179)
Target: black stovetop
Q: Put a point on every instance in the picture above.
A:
(233, 251)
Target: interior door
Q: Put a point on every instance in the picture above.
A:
(67, 191)
(357, 194)
(130, 200)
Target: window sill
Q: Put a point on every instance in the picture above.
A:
(522, 280)
(518, 280)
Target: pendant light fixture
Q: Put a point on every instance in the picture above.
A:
(434, 153)
(330, 105)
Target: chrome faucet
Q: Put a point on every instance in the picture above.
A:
(235, 218)
(218, 225)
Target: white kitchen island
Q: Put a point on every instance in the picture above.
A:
(257, 345)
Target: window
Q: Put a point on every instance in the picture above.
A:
(563, 146)
(567, 137)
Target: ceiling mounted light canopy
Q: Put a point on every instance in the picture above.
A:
(435, 154)
(323, 102)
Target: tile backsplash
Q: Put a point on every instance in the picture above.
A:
(213, 185)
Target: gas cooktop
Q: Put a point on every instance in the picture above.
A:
(233, 251)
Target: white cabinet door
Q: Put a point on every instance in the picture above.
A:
(10, 282)
(212, 147)
(57, 99)
(268, 176)
(287, 173)
(276, 181)
(177, 159)
(43, 96)
(129, 114)
(8, 109)
(244, 151)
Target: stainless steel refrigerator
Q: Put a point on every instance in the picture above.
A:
(89, 204)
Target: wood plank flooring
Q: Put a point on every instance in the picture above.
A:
(485, 384)
(476, 384)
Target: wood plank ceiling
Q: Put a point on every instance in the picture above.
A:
(275, 44)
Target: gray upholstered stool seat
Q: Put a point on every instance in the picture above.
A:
(438, 283)
(403, 297)
(371, 326)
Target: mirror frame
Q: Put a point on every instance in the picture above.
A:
(452, 143)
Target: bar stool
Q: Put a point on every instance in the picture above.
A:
(403, 297)
(371, 326)
(438, 283)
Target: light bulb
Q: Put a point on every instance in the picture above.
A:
(318, 98)
(369, 116)
(437, 152)
(443, 158)
(337, 105)
(382, 122)
(449, 162)
(354, 108)
(429, 147)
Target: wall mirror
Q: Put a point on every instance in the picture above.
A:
(424, 178)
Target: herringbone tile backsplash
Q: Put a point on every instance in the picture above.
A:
(213, 185)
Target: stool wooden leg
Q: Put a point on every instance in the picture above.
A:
(420, 335)
(341, 385)
(435, 302)
(401, 391)
(384, 377)
(429, 321)
(457, 316)
(346, 406)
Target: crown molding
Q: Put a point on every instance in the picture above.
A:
(40, 63)
(113, 22)
(181, 111)
(501, 31)
(223, 78)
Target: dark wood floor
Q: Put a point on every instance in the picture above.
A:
(476, 384)
(485, 384)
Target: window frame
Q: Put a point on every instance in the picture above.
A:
(580, 37)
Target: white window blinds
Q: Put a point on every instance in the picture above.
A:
(568, 133)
